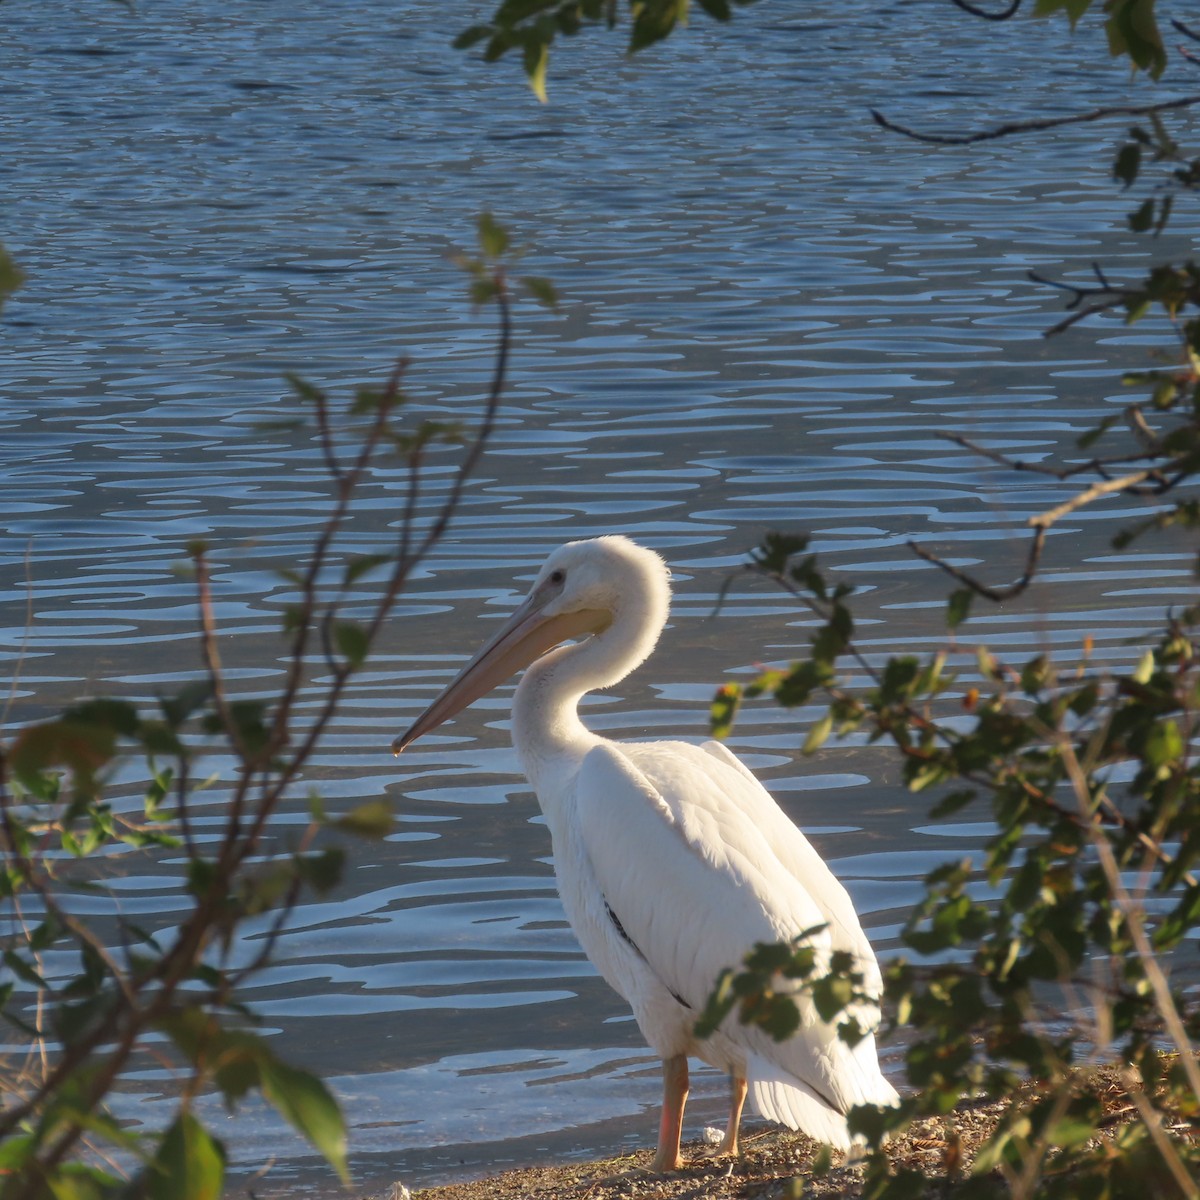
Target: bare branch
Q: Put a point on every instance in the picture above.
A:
(404, 566)
(1001, 15)
(1105, 487)
(1134, 923)
(1036, 546)
(17, 666)
(212, 655)
(1096, 465)
(1186, 30)
(1011, 128)
(486, 425)
(1142, 431)
(347, 481)
(1104, 297)
(325, 435)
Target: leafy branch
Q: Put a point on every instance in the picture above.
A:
(54, 812)
(1089, 894)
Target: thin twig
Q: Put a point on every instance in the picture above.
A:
(1186, 30)
(347, 481)
(1097, 465)
(289, 770)
(1152, 1119)
(1032, 558)
(212, 655)
(121, 1027)
(1011, 128)
(1105, 487)
(16, 670)
(1133, 920)
(1142, 431)
(1081, 314)
(470, 459)
(1001, 15)
(325, 436)
(818, 610)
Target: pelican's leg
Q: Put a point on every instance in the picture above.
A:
(670, 1127)
(737, 1097)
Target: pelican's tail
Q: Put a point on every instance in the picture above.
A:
(780, 1096)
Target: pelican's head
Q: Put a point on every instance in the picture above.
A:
(583, 588)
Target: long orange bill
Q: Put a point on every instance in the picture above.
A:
(527, 635)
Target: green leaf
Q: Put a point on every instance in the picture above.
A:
(370, 399)
(1071, 1130)
(723, 709)
(958, 606)
(1144, 671)
(23, 970)
(322, 871)
(202, 875)
(484, 291)
(1133, 31)
(352, 642)
(189, 1164)
(1163, 745)
(537, 57)
(305, 390)
(44, 935)
(304, 1101)
(776, 548)
(1036, 674)
(16, 1151)
(951, 803)
(542, 290)
(719, 1005)
(779, 1017)
(82, 747)
(471, 35)
(11, 277)
(1127, 163)
(654, 20)
(1073, 8)
(358, 567)
(371, 820)
(1142, 217)
(818, 734)
(248, 717)
(493, 237)
(832, 995)
(1094, 434)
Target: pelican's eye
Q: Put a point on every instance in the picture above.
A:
(559, 576)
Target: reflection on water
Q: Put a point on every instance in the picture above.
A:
(772, 311)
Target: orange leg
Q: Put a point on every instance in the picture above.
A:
(737, 1098)
(670, 1127)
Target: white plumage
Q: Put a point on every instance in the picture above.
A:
(671, 859)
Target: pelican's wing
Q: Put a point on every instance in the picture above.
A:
(797, 854)
(694, 883)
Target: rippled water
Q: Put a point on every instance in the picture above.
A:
(772, 310)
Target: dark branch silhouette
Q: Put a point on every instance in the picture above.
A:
(1002, 15)
(1010, 128)
(1036, 546)
(1186, 30)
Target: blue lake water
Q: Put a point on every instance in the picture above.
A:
(772, 309)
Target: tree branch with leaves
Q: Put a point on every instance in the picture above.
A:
(60, 828)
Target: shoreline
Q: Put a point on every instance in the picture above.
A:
(775, 1163)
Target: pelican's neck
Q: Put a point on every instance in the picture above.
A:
(547, 731)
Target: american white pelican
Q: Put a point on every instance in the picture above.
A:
(671, 859)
